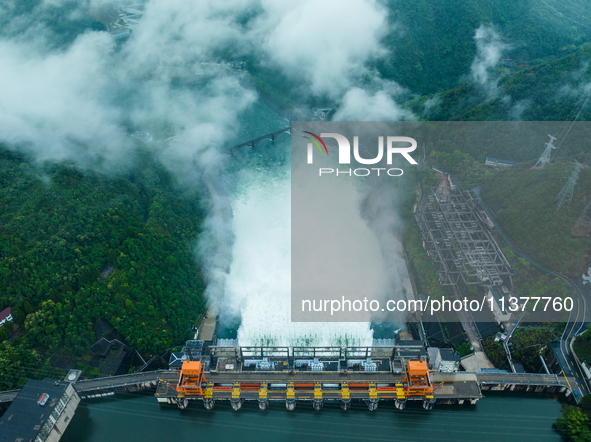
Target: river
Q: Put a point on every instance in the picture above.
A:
(139, 418)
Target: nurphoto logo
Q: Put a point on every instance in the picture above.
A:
(344, 147)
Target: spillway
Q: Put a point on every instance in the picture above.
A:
(258, 285)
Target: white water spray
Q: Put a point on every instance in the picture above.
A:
(258, 286)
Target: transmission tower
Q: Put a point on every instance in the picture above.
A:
(566, 194)
(545, 158)
(585, 218)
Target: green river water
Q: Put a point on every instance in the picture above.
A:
(139, 418)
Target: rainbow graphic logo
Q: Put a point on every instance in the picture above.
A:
(315, 141)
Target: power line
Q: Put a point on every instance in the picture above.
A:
(565, 16)
(587, 95)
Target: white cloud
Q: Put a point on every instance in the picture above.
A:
(70, 104)
(54, 103)
(489, 51)
(326, 43)
(361, 105)
(431, 104)
(516, 111)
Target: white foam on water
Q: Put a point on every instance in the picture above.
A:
(258, 285)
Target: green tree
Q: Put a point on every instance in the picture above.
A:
(586, 401)
(574, 425)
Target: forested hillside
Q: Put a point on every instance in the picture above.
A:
(523, 199)
(58, 19)
(433, 41)
(553, 90)
(60, 225)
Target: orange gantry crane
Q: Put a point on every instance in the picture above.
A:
(191, 379)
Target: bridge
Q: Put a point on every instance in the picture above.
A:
(124, 383)
(8, 396)
(525, 382)
(520, 379)
(252, 143)
(110, 384)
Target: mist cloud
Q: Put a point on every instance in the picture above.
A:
(72, 104)
(516, 111)
(575, 87)
(67, 104)
(489, 51)
(53, 105)
(362, 105)
(81, 102)
(325, 43)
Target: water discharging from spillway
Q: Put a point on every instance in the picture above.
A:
(258, 286)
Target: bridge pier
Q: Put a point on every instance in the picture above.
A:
(182, 403)
(372, 404)
(236, 405)
(400, 404)
(429, 403)
(208, 404)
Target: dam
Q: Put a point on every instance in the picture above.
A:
(312, 375)
(315, 375)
